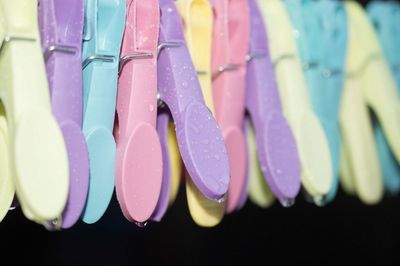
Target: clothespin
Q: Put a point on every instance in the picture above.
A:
(320, 33)
(229, 50)
(385, 18)
(104, 26)
(37, 157)
(276, 146)
(312, 144)
(61, 26)
(360, 172)
(139, 158)
(199, 139)
(197, 20)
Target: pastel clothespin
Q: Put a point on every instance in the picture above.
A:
(359, 171)
(61, 26)
(104, 26)
(197, 24)
(229, 50)
(139, 158)
(171, 162)
(320, 33)
(385, 17)
(312, 144)
(199, 139)
(37, 155)
(276, 146)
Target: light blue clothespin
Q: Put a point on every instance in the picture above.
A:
(104, 26)
(385, 16)
(320, 28)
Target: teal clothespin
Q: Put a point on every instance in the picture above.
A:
(385, 16)
(320, 28)
(104, 26)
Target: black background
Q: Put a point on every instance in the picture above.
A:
(342, 233)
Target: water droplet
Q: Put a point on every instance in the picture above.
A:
(217, 157)
(278, 171)
(169, 9)
(319, 200)
(221, 200)
(141, 224)
(151, 108)
(287, 202)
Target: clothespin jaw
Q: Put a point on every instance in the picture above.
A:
(38, 155)
(139, 155)
(104, 25)
(199, 139)
(310, 138)
(277, 152)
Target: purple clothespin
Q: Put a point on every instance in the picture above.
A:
(199, 138)
(61, 26)
(276, 146)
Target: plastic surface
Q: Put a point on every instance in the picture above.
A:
(104, 25)
(316, 167)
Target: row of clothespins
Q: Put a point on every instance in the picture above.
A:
(234, 98)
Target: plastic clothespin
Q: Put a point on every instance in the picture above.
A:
(276, 146)
(385, 17)
(311, 141)
(37, 155)
(198, 136)
(104, 26)
(229, 49)
(359, 171)
(320, 33)
(139, 158)
(61, 26)
(197, 24)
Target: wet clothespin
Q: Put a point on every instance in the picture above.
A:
(320, 31)
(139, 158)
(37, 157)
(276, 146)
(312, 144)
(229, 50)
(104, 26)
(61, 26)
(360, 172)
(199, 138)
(385, 17)
(197, 20)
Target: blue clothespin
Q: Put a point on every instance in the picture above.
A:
(320, 28)
(385, 16)
(104, 26)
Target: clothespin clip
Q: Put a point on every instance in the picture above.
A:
(61, 25)
(139, 158)
(359, 168)
(199, 139)
(197, 24)
(311, 141)
(229, 49)
(385, 17)
(276, 146)
(37, 154)
(320, 42)
(104, 26)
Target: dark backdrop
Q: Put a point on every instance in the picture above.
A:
(344, 232)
